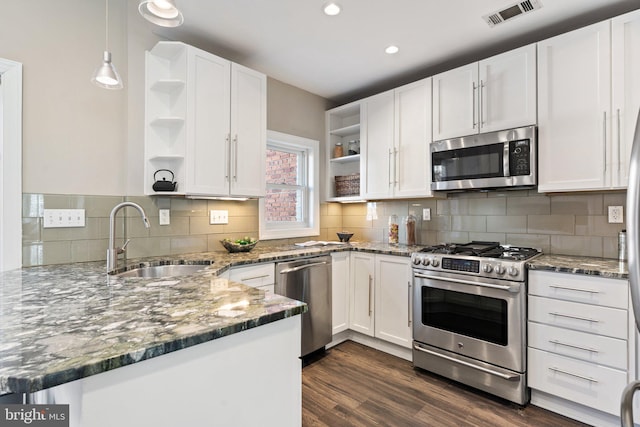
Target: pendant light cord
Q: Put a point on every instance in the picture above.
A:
(106, 25)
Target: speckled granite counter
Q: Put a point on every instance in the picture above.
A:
(605, 267)
(64, 322)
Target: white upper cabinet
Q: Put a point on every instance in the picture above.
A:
(494, 94)
(202, 113)
(625, 52)
(396, 132)
(589, 97)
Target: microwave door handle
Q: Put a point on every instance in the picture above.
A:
(505, 159)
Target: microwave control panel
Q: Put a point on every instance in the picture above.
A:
(519, 157)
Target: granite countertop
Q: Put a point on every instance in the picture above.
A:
(60, 323)
(605, 267)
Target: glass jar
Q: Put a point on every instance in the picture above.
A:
(393, 229)
(337, 150)
(354, 147)
(410, 224)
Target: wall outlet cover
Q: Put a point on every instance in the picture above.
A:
(63, 218)
(616, 215)
(165, 216)
(218, 217)
(426, 214)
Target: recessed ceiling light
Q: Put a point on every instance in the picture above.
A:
(391, 49)
(331, 9)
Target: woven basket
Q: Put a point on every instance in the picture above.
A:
(348, 185)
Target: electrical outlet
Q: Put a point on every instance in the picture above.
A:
(615, 215)
(426, 214)
(165, 216)
(218, 217)
(63, 218)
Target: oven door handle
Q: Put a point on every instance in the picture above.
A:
(470, 365)
(513, 289)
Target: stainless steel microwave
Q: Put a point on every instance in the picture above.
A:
(506, 158)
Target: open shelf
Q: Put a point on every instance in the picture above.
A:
(168, 85)
(346, 159)
(347, 130)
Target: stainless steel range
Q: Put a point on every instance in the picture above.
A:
(470, 311)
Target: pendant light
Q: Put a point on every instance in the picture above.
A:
(106, 75)
(161, 12)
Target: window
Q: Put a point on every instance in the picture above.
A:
(291, 206)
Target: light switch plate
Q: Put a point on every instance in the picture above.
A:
(63, 218)
(165, 216)
(426, 214)
(218, 217)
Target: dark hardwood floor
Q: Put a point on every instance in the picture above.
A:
(354, 385)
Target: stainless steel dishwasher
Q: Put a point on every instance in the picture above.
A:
(309, 280)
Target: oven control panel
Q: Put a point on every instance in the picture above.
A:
(482, 267)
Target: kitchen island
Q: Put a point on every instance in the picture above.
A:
(195, 350)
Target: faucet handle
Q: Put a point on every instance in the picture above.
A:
(124, 247)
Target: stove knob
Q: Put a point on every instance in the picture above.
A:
(435, 262)
(416, 261)
(500, 269)
(425, 262)
(488, 268)
(513, 271)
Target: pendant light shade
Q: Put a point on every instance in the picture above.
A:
(161, 12)
(106, 75)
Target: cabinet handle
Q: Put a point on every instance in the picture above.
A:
(409, 303)
(395, 165)
(582, 377)
(389, 171)
(242, 279)
(591, 350)
(566, 288)
(473, 104)
(227, 156)
(235, 158)
(481, 106)
(619, 146)
(570, 316)
(370, 281)
(604, 141)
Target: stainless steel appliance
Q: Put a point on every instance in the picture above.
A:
(309, 280)
(633, 255)
(506, 158)
(469, 308)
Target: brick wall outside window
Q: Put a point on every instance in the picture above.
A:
(282, 168)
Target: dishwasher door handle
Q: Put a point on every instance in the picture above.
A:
(302, 267)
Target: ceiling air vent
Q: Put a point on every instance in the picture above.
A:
(511, 12)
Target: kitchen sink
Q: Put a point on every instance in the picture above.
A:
(164, 270)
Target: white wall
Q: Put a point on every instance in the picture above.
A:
(74, 133)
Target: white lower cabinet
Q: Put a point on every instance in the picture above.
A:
(260, 276)
(340, 291)
(380, 304)
(579, 340)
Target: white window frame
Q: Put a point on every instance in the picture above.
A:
(11, 164)
(311, 204)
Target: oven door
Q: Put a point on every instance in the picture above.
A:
(480, 318)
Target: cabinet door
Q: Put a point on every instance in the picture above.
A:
(208, 124)
(340, 291)
(508, 90)
(574, 98)
(412, 139)
(248, 132)
(393, 300)
(455, 103)
(362, 293)
(377, 162)
(626, 91)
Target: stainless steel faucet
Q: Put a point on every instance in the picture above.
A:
(113, 251)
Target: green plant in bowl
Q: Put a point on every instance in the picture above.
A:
(239, 245)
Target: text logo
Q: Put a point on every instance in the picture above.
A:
(34, 415)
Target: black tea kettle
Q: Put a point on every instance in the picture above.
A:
(164, 185)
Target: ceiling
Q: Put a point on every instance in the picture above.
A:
(342, 57)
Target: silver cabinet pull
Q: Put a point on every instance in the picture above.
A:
(227, 163)
(242, 279)
(582, 377)
(571, 316)
(589, 291)
(619, 146)
(591, 350)
(473, 103)
(370, 281)
(395, 165)
(481, 106)
(604, 140)
(235, 158)
(389, 165)
(409, 303)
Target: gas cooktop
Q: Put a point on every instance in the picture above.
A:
(484, 250)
